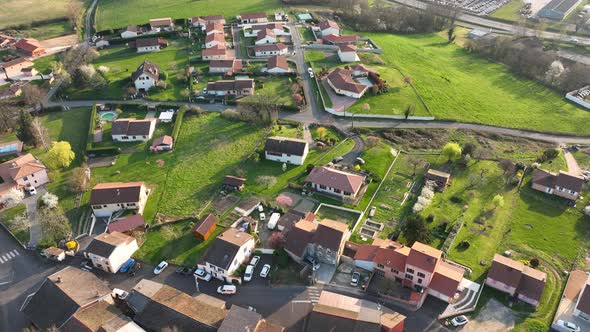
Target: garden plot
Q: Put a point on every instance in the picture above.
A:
(336, 213)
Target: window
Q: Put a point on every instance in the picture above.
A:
(346, 193)
(322, 186)
(25, 178)
(410, 270)
(130, 204)
(421, 275)
(245, 248)
(394, 271)
(380, 266)
(104, 206)
(98, 207)
(338, 191)
(419, 280)
(32, 175)
(409, 277)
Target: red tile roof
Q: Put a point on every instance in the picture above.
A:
(215, 50)
(214, 27)
(446, 279)
(335, 39)
(278, 61)
(336, 179)
(505, 270)
(392, 258)
(215, 37)
(234, 64)
(205, 224)
(347, 48)
(270, 47)
(126, 224)
(342, 79)
(326, 24)
(28, 44)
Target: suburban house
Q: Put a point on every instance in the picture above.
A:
(335, 182)
(247, 206)
(6, 40)
(133, 130)
(127, 225)
(204, 227)
(516, 279)
(202, 21)
(562, 184)
(20, 172)
(242, 319)
(215, 39)
(30, 47)
(343, 83)
(340, 40)
(329, 27)
(14, 68)
(108, 198)
(277, 64)
(360, 70)
(131, 31)
(228, 251)
(288, 220)
(582, 298)
(163, 143)
(347, 53)
(336, 312)
(146, 76)
(159, 307)
(441, 179)
(271, 49)
(241, 87)
(150, 44)
(286, 150)
(265, 36)
(158, 24)
(217, 52)
(324, 240)
(109, 251)
(62, 295)
(225, 66)
(212, 28)
(101, 43)
(231, 182)
(101, 316)
(253, 18)
(277, 27)
(13, 91)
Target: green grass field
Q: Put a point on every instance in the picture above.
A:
(17, 12)
(114, 14)
(459, 86)
(509, 11)
(22, 233)
(47, 31)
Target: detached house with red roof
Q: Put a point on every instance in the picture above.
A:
(265, 36)
(343, 83)
(336, 183)
(202, 21)
(213, 28)
(215, 39)
(158, 24)
(108, 198)
(217, 52)
(277, 64)
(30, 47)
(21, 172)
(516, 279)
(347, 53)
(562, 184)
(270, 49)
(329, 27)
(252, 18)
(133, 130)
(225, 66)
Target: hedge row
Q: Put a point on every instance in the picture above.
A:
(90, 137)
(103, 151)
(178, 123)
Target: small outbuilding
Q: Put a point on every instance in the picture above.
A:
(203, 229)
(163, 143)
(441, 179)
(233, 183)
(54, 254)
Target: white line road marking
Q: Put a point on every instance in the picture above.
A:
(16, 252)
(12, 255)
(1, 260)
(6, 257)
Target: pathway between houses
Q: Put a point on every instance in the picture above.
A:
(307, 135)
(36, 233)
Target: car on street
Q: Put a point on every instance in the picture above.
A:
(227, 289)
(356, 276)
(337, 160)
(459, 320)
(360, 160)
(311, 75)
(262, 216)
(127, 265)
(249, 272)
(254, 261)
(134, 269)
(202, 274)
(309, 70)
(161, 267)
(568, 326)
(265, 271)
(187, 271)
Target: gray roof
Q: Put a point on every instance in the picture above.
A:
(131, 127)
(560, 6)
(148, 68)
(223, 250)
(100, 248)
(239, 319)
(285, 145)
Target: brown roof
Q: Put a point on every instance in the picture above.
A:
(132, 28)
(365, 252)
(342, 79)
(335, 39)
(213, 27)
(265, 32)
(347, 48)
(569, 181)
(287, 145)
(207, 19)
(249, 16)
(326, 24)
(20, 62)
(278, 61)
(233, 181)
(115, 192)
(126, 224)
(161, 22)
(532, 283)
(98, 317)
(148, 68)
(575, 284)
(132, 127)
(240, 319)
(151, 41)
(20, 167)
(393, 258)
(446, 279)
(424, 257)
(28, 44)
(231, 85)
(163, 140)
(505, 270)
(289, 219)
(392, 320)
(215, 37)
(234, 64)
(330, 233)
(224, 248)
(215, 50)
(300, 236)
(270, 47)
(104, 244)
(205, 224)
(266, 326)
(584, 301)
(336, 179)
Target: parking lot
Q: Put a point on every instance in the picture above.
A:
(343, 276)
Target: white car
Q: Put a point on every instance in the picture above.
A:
(119, 294)
(260, 208)
(201, 274)
(248, 273)
(262, 216)
(161, 267)
(311, 75)
(254, 261)
(265, 271)
(568, 326)
(227, 289)
(355, 279)
(31, 190)
(459, 320)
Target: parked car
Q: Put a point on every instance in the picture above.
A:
(119, 294)
(260, 208)
(202, 274)
(568, 326)
(360, 160)
(311, 75)
(127, 265)
(356, 276)
(86, 266)
(187, 271)
(227, 289)
(309, 70)
(337, 160)
(31, 190)
(254, 261)
(265, 271)
(262, 216)
(365, 283)
(315, 265)
(249, 272)
(133, 270)
(161, 267)
(459, 320)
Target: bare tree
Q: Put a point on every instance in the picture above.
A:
(266, 105)
(40, 134)
(414, 161)
(74, 14)
(8, 117)
(33, 95)
(79, 181)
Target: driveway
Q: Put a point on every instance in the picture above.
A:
(36, 229)
(494, 317)
(572, 163)
(357, 150)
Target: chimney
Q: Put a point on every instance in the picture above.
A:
(13, 164)
(58, 279)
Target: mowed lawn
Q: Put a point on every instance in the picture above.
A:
(459, 86)
(114, 14)
(16, 12)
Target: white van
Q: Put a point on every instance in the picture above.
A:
(272, 222)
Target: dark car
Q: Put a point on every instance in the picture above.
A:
(134, 269)
(184, 271)
(337, 160)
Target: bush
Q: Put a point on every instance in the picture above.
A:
(534, 262)
(464, 245)
(282, 258)
(430, 218)
(163, 75)
(178, 123)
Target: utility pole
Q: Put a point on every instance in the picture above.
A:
(197, 284)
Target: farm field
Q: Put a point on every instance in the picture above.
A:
(114, 14)
(47, 31)
(30, 11)
(459, 86)
(509, 11)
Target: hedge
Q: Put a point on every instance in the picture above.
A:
(103, 151)
(90, 137)
(178, 123)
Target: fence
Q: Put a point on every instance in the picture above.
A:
(377, 116)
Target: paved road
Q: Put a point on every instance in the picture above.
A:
(357, 150)
(88, 29)
(36, 230)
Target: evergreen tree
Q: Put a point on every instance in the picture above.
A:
(24, 131)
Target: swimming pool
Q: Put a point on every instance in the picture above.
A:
(108, 116)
